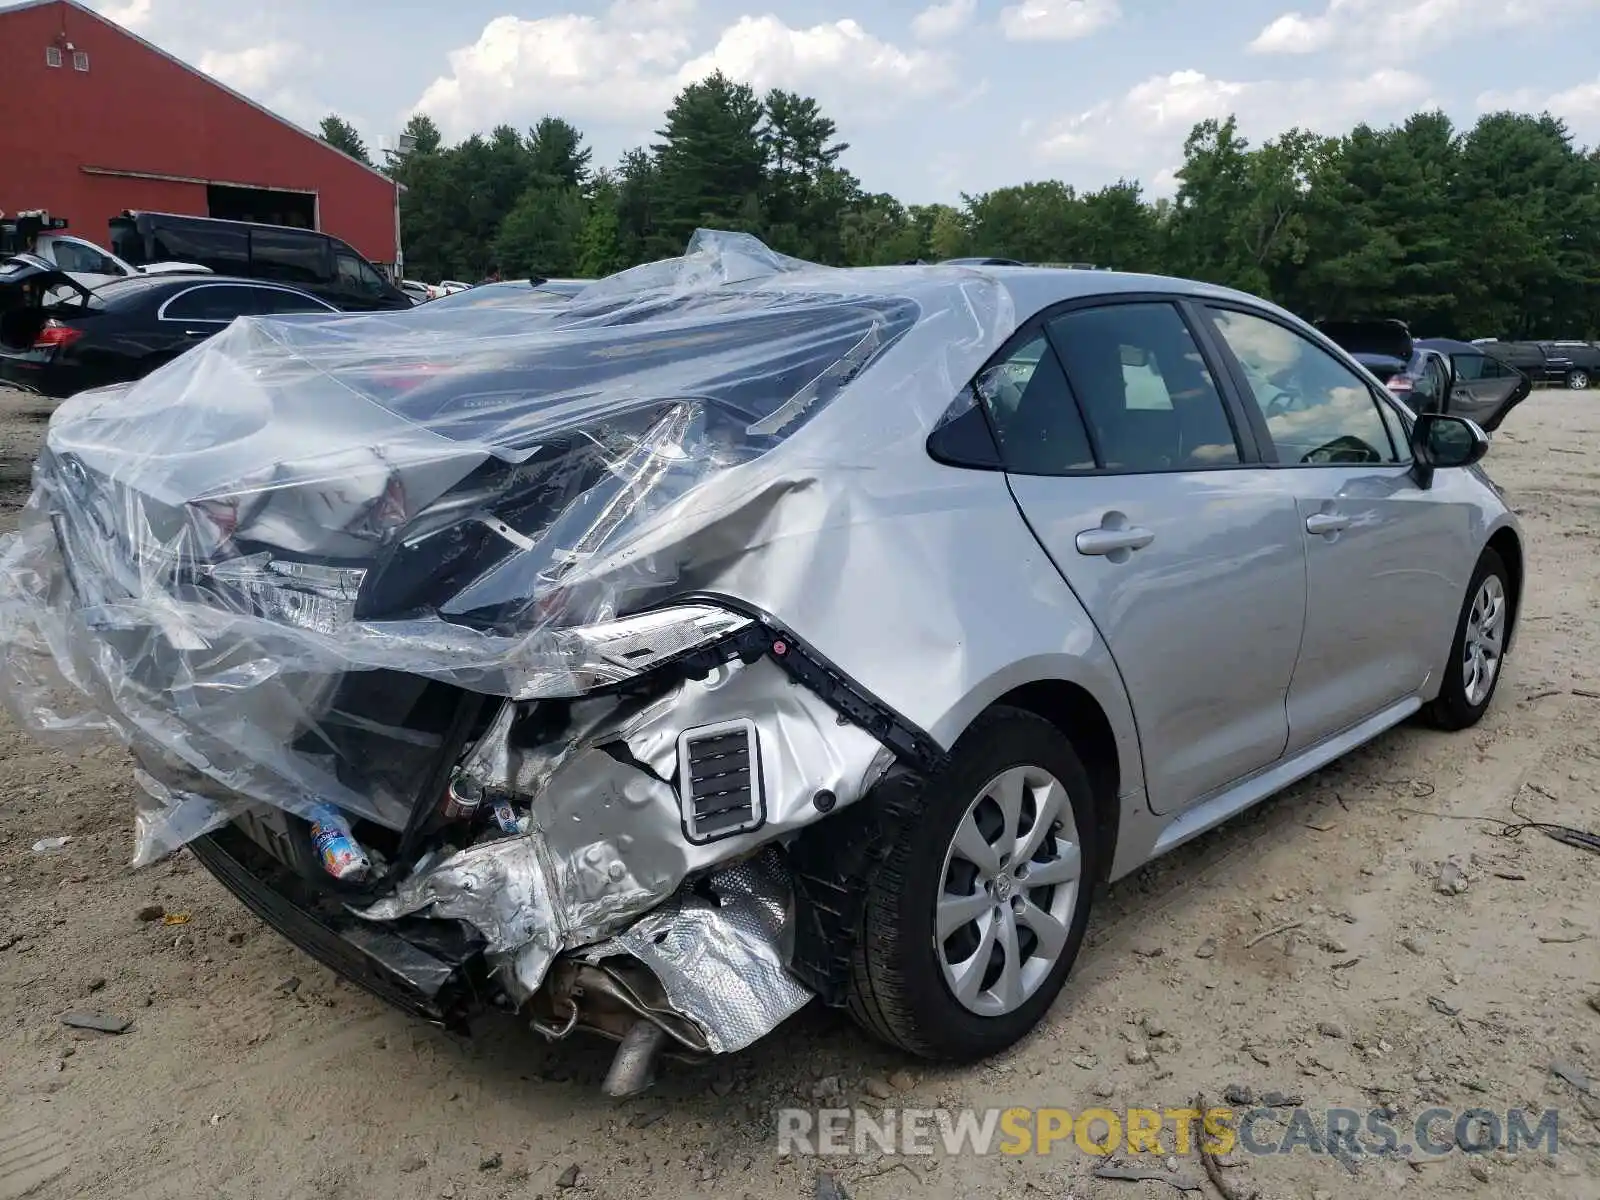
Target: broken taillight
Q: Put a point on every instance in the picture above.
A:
(55, 333)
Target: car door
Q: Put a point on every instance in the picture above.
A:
(200, 312)
(1486, 389)
(1382, 564)
(1186, 554)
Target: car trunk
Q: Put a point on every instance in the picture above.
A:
(32, 291)
(1383, 339)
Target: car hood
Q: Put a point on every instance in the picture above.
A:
(1386, 338)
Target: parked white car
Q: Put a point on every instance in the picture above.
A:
(92, 266)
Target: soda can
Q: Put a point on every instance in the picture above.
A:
(462, 798)
(342, 856)
(504, 815)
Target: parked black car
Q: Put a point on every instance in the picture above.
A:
(304, 258)
(1433, 374)
(1570, 364)
(122, 330)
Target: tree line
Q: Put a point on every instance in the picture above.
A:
(1481, 232)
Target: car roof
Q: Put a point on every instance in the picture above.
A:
(135, 288)
(1035, 288)
(1450, 345)
(152, 283)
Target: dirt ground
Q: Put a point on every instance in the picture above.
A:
(249, 1071)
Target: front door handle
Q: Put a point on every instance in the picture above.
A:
(1111, 541)
(1327, 523)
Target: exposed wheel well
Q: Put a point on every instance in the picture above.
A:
(1078, 715)
(1506, 544)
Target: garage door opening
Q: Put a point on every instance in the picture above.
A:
(265, 205)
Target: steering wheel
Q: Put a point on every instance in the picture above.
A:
(1281, 403)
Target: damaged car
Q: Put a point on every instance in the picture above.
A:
(743, 632)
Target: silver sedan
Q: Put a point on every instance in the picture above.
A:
(739, 632)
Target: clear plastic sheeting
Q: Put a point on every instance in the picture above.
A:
(345, 559)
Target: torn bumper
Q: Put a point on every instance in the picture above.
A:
(650, 835)
(431, 969)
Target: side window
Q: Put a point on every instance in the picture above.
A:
(1317, 411)
(1493, 368)
(1035, 420)
(276, 300)
(77, 256)
(356, 276)
(224, 249)
(1144, 388)
(216, 302)
(1473, 366)
(288, 257)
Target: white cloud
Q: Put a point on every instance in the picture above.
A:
(939, 21)
(130, 14)
(627, 64)
(839, 57)
(1402, 28)
(1578, 105)
(577, 65)
(253, 69)
(1140, 133)
(1057, 20)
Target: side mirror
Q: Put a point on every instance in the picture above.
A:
(1439, 441)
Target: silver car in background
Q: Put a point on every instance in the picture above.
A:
(739, 632)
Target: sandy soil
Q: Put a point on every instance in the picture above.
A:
(249, 1071)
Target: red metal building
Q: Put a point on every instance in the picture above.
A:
(95, 120)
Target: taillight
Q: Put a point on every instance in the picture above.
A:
(1399, 383)
(54, 333)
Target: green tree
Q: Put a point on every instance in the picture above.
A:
(600, 244)
(420, 127)
(806, 194)
(541, 234)
(342, 135)
(557, 156)
(710, 164)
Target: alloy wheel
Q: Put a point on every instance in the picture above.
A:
(1578, 380)
(1009, 888)
(1484, 643)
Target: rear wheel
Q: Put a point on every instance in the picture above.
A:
(972, 923)
(1478, 653)
(1578, 380)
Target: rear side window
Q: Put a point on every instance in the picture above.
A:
(1144, 389)
(216, 302)
(222, 248)
(1035, 420)
(276, 300)
(288, 256)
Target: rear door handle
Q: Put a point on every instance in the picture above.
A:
(1110, 541)
(1327, 523)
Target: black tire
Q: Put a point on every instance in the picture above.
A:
(1578, 380)
(897, 989)
(1451, 709)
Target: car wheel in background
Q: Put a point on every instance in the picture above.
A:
(973, 921)
(1478, 652)
(1578, 380)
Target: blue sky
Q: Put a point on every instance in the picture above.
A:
(935, 99)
